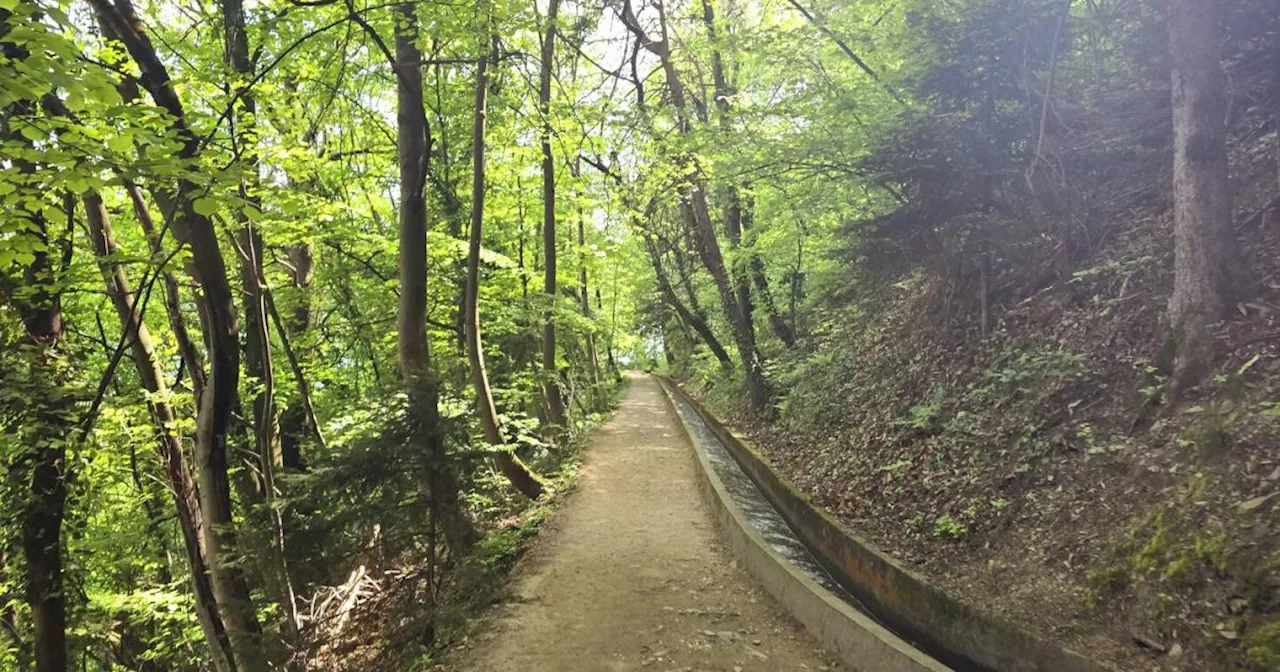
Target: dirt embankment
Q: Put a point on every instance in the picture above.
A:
(1039, 473)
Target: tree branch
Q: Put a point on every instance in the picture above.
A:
(846, 49)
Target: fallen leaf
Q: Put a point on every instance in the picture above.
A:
(1253, 504)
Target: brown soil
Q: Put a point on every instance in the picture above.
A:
(1037, 474)
(630, 574)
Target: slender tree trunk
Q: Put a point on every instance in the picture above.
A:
(524, 277)
(415, 354)
(551, 388)
(697, 217)
(308, 424)
(515, 470)
(613, 319)
(222, 337)
(593, 357)
(192, 359)
(1206, 260)
(168, 444)
(777, 323)
(682, 263)
(686, 316)
(46, 420)
(738, 269)
(257, 343)
(734, 215)
(146, 493)
(298, 424)
(44, 430)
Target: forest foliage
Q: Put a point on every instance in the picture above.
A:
(305, 302)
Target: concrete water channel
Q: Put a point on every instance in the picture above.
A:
(762, 515)
(834, 627)
(859, 602)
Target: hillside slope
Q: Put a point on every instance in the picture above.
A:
(1037, 471)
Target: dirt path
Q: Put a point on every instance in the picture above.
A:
(630, 574)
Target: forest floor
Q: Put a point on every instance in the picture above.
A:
(630, 573)
(1036, 472)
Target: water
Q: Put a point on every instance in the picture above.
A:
(778, 533)
(760, 513)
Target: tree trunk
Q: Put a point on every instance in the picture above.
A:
(257, 343)
(191, 357)
(697, 217)
(777, 323)
(550, 387)
(45, 430)
(515, 470)
(686, 316)
(298, 423)
(734, 215)
(1206, 260)
(168, 444)
(413, 149)
(307, 423)
(46, 415)
(222, 337)
(42, 519)
(593, 357)
(738, 268)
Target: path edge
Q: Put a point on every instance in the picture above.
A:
(857, 641)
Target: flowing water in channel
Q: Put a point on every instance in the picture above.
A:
(760, 513)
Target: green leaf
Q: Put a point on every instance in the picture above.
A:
(120, 143)
(205, 207)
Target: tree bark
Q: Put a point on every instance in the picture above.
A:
(413, 148)
(515, 470)
(593, 357)
(44, 430)
(308, 424)
(192, 359)
(222, 338)
(734, 214)
(43, 515)
(298, 424)
(1206, 260)
(550, 386)
(257, 342)
(738, 269)
(694, 320)
(777, 323)
(697, 217)
(168, 444)
(46, 419)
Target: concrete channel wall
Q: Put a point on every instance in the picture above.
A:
(955, 634)
(856, 639)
